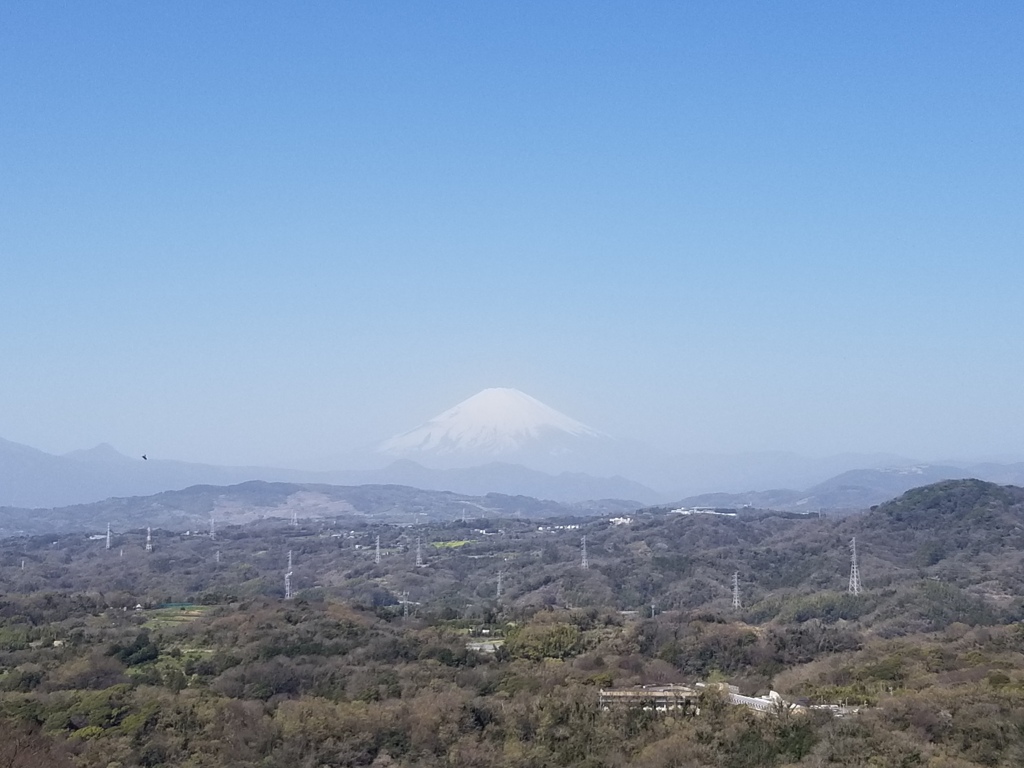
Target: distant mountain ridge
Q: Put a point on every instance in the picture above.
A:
(513, 479)
(104, 453)
(858, 488)
(31, 478)
(193, 508)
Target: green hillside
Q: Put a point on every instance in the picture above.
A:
(180, 658)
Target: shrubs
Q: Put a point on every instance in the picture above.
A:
(543, 641)
(140, 651)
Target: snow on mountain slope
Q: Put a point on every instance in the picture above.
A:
(492, 423)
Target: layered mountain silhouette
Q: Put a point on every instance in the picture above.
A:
(857, 489)
(30, 478)
(502, 440)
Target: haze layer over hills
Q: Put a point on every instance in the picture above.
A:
(31, 478)
(498, 441)
(504, 441)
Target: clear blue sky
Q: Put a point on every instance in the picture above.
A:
(254, 232)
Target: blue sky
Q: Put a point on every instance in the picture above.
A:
(269, 233)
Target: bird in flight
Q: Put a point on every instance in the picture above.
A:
(145, 457)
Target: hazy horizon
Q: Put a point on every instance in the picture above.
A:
(273, 235)
(369, 455)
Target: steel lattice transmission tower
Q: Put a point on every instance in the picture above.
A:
(376, 556)
(498, 592)
(149, 539)
(736, 602)
(213, 527)
(288, 578)
(405, 602)
(855, 587)
(419, 553)
(584, 563)
(108, 535)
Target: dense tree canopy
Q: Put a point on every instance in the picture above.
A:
(173, 659)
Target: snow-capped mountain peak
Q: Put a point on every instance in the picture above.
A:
(494, 423)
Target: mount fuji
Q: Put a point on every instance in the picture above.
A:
(500, 424)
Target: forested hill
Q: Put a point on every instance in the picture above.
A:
(188, 655)
(953, 532)
(942, 551)
(966, 507)
(193, 507)
(950, 524)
